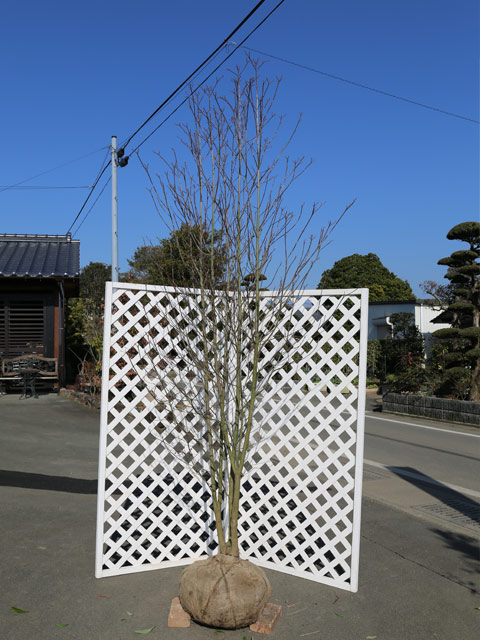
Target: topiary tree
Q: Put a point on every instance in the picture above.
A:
(366, 271)
(462, 340)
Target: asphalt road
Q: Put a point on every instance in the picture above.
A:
(443, 452)
(418, 575)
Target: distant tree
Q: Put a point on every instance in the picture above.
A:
(143, 265)
(462, 340)
(84, 326)
(174, 261)
(405, 346)
(366, 271)
(442, 294)
(92, 281)
(405, 329)
(373, 358)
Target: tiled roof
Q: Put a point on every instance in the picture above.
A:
(38, 256)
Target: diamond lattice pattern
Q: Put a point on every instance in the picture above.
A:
(301, 482)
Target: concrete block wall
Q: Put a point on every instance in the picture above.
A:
(461, 411)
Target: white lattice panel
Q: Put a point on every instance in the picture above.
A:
(300, 509)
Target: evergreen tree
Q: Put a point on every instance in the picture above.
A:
(92, 281)
(175, 260)
(84, 325)
(462, 340)
(366, 271)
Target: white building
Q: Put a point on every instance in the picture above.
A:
(424, 311)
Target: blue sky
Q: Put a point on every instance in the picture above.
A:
(73, 74)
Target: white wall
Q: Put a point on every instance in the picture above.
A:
(424, 314)
(379, 314)
(379, 318)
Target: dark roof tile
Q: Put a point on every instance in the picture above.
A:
(39, 256)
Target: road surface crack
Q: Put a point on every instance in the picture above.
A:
(471, 588)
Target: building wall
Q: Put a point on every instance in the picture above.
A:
(379, 314)
(424, 316)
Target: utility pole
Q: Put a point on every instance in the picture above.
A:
(115, 272)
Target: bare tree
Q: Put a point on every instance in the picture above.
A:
(231, 185)
(442, 294)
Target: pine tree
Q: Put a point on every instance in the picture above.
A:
(462, 340)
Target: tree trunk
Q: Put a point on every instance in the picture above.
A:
(474, 395)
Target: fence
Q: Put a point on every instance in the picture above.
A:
(301, 492)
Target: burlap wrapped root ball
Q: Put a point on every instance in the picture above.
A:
(224, 592)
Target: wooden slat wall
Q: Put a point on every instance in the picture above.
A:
(3, 341)
(22, 327)
(26, 326)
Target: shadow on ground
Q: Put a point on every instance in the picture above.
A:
(454, 499)
(47, 483)
(465, 546)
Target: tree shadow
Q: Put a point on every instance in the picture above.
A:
(464, 544)
(469, 550)
(467, 513)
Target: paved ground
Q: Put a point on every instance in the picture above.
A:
(423, 465)
(418, 574)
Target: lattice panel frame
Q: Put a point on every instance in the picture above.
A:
(301, 494)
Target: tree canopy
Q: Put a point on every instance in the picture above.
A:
(175, 260)
(366, 271)
(84, 324)
(92, 281)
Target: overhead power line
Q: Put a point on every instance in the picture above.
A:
(58, 166)
(179, 88)
(237, 46)
(362, 86)
(92, 188)
(200, 66)
(94, 203)
(26, 187)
